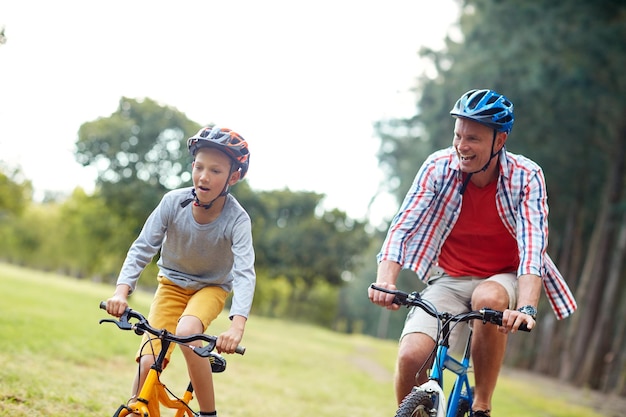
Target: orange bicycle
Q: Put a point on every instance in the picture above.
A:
(154, 393)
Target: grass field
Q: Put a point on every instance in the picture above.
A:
(56, 360)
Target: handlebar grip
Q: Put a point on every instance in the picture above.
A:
(103, 305)
(240, 350)
(495, 317)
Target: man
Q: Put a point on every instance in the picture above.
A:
(474, 227)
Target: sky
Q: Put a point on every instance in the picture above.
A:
(302, 81)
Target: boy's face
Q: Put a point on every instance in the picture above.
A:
(210, 173)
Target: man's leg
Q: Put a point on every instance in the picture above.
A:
(488, 345)
(414, 351)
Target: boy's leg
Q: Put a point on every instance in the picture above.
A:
(199, 368)
(167, 306)
(202, 308)
(145, 362)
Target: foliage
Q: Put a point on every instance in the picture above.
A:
(293, 241)
(15, 192)
(301, 256)
(93, 236)
(140, 152)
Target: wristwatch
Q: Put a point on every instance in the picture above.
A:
(530, 310)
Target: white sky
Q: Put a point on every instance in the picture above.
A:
(302, 81)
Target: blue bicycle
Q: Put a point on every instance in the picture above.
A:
(428, 399)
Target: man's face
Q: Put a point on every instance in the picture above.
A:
(473, 144)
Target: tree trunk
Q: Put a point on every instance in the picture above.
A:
(590, 285)
(614, 377)
(598, 354)
(593, 335)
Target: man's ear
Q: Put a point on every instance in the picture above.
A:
(501, 140)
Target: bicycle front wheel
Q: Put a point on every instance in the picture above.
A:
(417, 404)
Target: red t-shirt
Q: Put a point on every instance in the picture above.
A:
(479, 245)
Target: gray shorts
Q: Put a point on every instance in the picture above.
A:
(452, 294)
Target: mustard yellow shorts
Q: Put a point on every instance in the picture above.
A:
(172, 302)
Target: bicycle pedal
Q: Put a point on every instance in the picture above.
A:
(218, 362)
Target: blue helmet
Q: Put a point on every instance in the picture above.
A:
(486, 107)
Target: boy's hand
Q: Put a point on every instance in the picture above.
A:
(228, 341)
(117, 304)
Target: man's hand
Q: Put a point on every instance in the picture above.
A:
(513, 319)
(386, 277)
(382, 298)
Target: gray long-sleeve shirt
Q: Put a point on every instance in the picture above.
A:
(195, 255)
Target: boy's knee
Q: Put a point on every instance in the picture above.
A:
(188, 325)
(147, 360)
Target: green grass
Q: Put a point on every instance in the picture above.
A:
(56, 360)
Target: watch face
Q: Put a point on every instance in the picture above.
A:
(530, 310)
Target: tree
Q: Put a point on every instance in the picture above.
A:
(302, 252)
(140, 153)
(93, 239)
(299, 243)
(15, 192)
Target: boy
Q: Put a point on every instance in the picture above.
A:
(206, 251)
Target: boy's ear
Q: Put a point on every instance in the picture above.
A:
(234, 177)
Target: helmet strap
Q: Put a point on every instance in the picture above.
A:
(196, 200)
(483, 169)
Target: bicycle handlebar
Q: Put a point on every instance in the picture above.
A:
(487, 315)
(142, 326)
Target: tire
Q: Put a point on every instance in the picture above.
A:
(416, 404)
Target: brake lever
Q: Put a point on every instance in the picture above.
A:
(204, 351)
(122, 324)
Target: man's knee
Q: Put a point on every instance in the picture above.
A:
(490, 294)
(415, 348)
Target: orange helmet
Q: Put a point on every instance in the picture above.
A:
(227, 141)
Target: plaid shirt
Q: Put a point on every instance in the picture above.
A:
(433, 205)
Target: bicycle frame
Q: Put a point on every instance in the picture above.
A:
(429, 396)
(153, 394)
